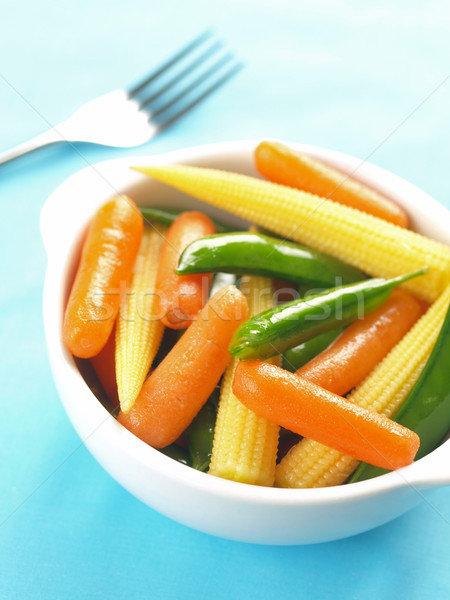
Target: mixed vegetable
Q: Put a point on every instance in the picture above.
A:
(180, 320)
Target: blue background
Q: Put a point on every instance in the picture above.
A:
(341, 74)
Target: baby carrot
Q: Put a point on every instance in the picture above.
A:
(180, 385)
(105, 369)
(181, 297)
(281, 164)
(362, 345)
(107, 259)
(309, 410)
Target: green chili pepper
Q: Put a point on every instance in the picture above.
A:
(167, 216)
(200, 436)
(258, 254)
(296, 357)
(285, 326)
(177, 453)
(426, 410)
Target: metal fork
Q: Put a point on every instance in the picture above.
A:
(130, 118)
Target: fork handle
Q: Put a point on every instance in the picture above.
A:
(44, 139)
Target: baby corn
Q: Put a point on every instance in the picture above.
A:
(139, 330)
(379, 248)
(245, 445)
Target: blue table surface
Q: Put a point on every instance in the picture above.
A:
(368, 79)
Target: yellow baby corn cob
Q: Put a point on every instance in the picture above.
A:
(310, 464)
(366, 242)
(245, 445)
(138, 331)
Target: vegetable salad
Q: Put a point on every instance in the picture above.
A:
(341, 383)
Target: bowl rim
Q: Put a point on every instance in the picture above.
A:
(421, 474)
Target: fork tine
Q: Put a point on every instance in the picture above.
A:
(171, 61)
(191, 67)
(194, 84)
(230, 73)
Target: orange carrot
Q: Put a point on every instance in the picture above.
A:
(184, 380)
(181, 297)
(353, 355)
(281, 164)
(107, 259)
(305, 408)
(105, 369)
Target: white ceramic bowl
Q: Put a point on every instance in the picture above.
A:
(216, 506)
